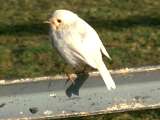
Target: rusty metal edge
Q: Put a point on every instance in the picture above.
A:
(118, 108)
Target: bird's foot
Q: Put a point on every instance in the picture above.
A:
(71, 77)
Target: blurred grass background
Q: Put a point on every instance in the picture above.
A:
(130, 30)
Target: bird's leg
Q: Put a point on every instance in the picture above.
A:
(71, 77)
(69, 73)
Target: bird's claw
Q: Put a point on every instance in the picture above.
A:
(70, 77)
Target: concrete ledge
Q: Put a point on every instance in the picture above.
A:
(49, 97)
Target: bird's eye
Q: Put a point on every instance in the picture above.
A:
(59, 21)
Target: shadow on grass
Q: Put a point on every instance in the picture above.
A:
(24, 29)
(132, 21)
(115, 25)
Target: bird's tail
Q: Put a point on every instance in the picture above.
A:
(106, 76)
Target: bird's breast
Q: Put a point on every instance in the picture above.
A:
(65, 43)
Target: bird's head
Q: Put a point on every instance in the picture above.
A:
(61, 19)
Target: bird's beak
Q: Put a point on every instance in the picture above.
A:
(48, 22)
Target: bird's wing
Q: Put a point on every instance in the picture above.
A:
(87, 43)
(91, 47)
(103, 49)
(90, 35)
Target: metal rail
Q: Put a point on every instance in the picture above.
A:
(49, 97)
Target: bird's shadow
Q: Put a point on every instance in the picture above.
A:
(73, 88)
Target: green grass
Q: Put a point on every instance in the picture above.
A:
(130, 30)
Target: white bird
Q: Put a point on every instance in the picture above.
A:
(78, 42)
